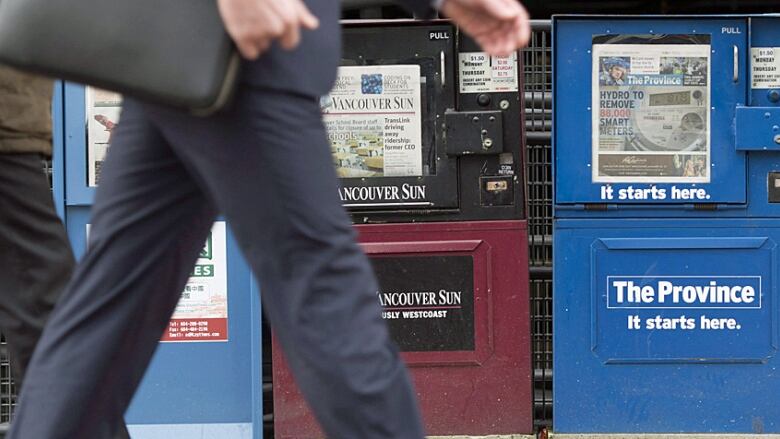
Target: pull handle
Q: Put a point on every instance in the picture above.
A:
(736, 63)
(443, 67)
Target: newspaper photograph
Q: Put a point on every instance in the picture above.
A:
(103, 108)
(374, 120)
(651, 112)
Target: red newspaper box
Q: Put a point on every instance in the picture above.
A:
(435, 185)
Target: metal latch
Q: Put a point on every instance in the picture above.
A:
(474, 132)
(757, 129)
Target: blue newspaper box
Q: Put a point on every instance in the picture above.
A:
(205, 379)
(667, 223)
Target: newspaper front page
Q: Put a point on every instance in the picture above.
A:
(651, 113)
(374, 120)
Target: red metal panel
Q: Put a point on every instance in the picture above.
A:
(480, 392)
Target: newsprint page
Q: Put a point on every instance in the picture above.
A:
(651, 111)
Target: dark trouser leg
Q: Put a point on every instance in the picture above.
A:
(149, 222)
(268, 166)
(35, 256)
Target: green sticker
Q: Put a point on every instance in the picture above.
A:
(203, 270)
(206, 253)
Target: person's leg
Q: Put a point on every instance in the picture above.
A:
(149, 222)
(268, 166)
(35, 256)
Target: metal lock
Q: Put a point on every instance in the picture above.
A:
(474, 132)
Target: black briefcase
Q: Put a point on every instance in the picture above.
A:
(172, 52)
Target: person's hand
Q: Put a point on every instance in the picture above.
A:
(499, 26)
(255, 24)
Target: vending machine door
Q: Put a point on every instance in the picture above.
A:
(647, 115)
(385, 118)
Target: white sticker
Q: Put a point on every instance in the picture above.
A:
(103, 110)
(202, 311)
(481, 73)
(765, 67)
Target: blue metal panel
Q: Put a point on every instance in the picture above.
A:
(756, 129)
(205, 384)
(257, 359)
(77, 192)
(76, 222)
(764, 33)
(199, 431)
(641, 277)
(573, 113)
(761, 164)
(58, 149)
(691, 375)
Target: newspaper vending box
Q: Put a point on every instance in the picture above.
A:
(426, 135)
(666, 140)
(204, 380)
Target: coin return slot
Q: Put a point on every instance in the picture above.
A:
(496, 186)
(773, 184)
(496, 191)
